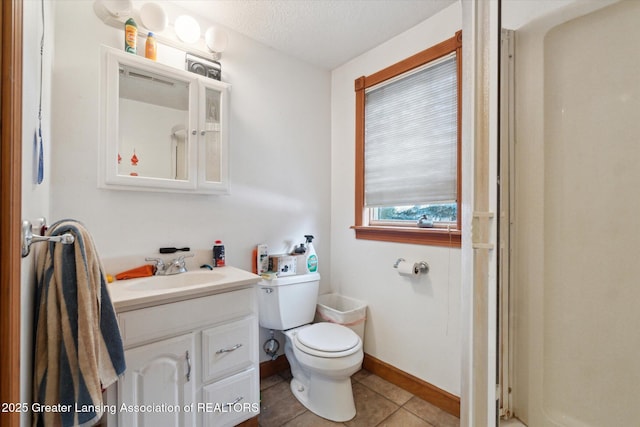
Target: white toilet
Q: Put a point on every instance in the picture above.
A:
(322, 356)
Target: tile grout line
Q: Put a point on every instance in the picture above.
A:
(386, 398)
(389, 416)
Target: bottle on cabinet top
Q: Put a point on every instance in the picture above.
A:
(130, 36)
(151, 47)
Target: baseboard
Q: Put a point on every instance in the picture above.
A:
(414, 385)
(272, 367)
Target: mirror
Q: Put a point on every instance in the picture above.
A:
(153, 114)
(212, 150)
(162, 128)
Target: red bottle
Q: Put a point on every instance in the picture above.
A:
(218, 254)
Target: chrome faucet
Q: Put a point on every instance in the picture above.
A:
(175, 266)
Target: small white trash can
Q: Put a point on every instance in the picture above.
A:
(342, 310)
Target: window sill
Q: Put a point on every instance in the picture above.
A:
(416, 236)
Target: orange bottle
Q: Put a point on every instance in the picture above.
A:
(151, 48)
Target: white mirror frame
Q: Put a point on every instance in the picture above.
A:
(108, 176)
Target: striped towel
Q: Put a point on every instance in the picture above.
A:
(78, 347)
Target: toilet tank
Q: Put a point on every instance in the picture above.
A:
(288, 302)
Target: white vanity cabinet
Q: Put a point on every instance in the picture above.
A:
(162, 128)
(196, 360)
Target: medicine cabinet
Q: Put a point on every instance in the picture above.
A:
(162, 128)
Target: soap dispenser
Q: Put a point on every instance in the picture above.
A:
(311, 257)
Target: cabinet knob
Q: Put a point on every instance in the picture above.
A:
(194, 132)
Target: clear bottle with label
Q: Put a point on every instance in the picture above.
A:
(151, 47)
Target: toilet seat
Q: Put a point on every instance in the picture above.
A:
(327, 340)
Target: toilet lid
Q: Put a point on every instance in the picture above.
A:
(328, 337)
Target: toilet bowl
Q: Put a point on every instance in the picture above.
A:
(323, 356)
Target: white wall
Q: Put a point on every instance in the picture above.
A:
(280, 154)
(412, 324)
(35, 197)
(285, 175)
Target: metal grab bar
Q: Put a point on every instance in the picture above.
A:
(28, 237)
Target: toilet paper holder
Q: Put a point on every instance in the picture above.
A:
(419, 267)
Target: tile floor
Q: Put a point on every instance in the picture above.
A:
(378, 404)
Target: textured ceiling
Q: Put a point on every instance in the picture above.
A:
(326, 33)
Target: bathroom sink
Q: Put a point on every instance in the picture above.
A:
(190, 278)
(148, 291)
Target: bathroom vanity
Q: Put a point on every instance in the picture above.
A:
(191, 348)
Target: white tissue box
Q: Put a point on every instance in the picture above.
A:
(283, 265)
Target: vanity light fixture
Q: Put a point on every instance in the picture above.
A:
(187, 29)
(154, 17)
(216, 40)
(110, 10)
(181, 33)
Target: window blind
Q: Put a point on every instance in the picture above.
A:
(411, 137)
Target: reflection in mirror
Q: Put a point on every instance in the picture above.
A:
(153, 114)
(179, 158)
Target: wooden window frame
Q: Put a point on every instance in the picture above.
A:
(424, 236)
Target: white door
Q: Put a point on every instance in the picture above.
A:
(158, 384)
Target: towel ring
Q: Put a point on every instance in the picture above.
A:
(28, 237)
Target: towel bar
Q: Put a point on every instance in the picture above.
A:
(28, 237)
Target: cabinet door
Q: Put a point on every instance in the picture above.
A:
(158, 383)
(213, 144)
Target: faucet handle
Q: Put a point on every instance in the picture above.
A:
(178, 265)
(182, 257)
(159, 262)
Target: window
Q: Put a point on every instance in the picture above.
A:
(408, 149)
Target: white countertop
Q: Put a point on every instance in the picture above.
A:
(148, 291)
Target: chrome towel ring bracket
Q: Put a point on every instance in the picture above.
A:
(28, 237)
